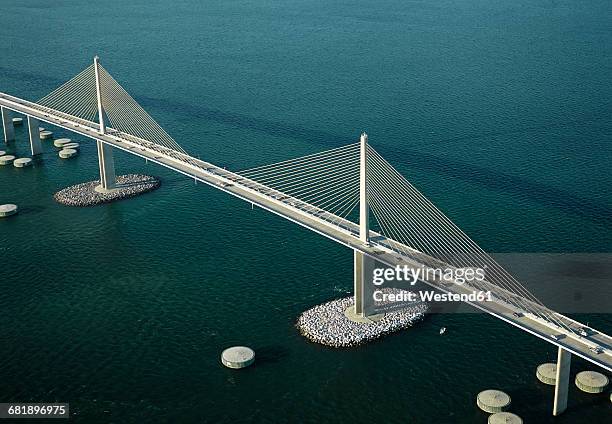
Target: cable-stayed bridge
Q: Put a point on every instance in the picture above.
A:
(338, 193)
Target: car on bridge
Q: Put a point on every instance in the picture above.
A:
(582, 331)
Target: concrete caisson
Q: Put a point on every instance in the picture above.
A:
(547, 373)
(238, 357)
(17, 121)
(505, 418)
(72, 145)
(44, 135)
(22, 162)
(61, 142)
(493, 401)
(591, 381)
(67, 153)
(6, 159)
(7, 210)
(2, 153)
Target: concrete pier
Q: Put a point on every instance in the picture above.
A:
(7, 210)
(35, 144)
(46, 134)
(591, 381)
(564, 359)
(547, 373)
(107, 166)
(364, 264)
(67, 153)
(75, 146)
(504, 418)
(105, 152)
(7, 125)
(493, 401)
(364, 208)
(61, 142)
(6, 159)
(22, 162)
(362, 284)
(237, 357)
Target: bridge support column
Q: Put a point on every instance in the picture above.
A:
(363, 266)
(107, 166)
(564, 359)
(35, 144)
(364, 208)
(7, 124)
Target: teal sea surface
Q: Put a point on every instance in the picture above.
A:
(499, 111)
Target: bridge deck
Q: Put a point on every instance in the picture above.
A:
(340, 230)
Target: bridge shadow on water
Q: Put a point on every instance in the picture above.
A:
(270, 354)
(535, 400)
(32, 210)
(515, 186)
(469, 172)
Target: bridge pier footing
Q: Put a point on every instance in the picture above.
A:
(7, 125)
(363, 269)
(107, 166)
(564, 359)
(33, 129)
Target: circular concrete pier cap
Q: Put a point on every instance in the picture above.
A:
(547, 373)
(238, 357)
(17, 121)
(6, 159)
(71, 145)
(60, 142)
(41, 129)
(505, 418)
(67, 153)
(2, 153)
(46, 134)
(493, 401)
(8, 210)
(22, 162)
(591, 381)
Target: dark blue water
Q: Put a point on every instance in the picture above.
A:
(499, 111)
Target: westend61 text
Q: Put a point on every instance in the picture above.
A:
(432, 296)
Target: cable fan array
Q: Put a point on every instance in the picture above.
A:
(405, 215)
(78, 98)
(327, 181)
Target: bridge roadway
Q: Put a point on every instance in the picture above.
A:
(384, 250)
